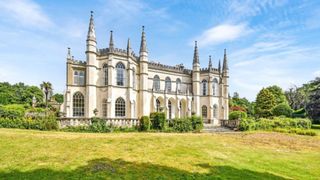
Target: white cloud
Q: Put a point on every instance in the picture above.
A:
(25, 12)
(317, 73)
(222, 33)
(271, 62)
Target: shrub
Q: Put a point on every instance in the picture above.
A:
(12, 111)
(182, 124)
(145, 123)
(158, 120)
(247, 124)
(300, 113)
(197, 123)
(45, 123)
(99, 125)
(282, 110)
(237, 115)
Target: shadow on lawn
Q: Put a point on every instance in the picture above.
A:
(110, 169)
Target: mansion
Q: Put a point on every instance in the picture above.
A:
(115, 83)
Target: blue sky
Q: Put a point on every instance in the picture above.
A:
(268, 42)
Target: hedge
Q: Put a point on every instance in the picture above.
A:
(277, 123)
(145, 123)
(46, 123)
(158, 120)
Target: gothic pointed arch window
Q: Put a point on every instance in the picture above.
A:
(170, 109)
(104, 108)
(204, 87)
(120, 68)
(105, 74)
(78, 104)
(158, 105)
(215, 87)
(156, 83)
(120, 107)
(215, 111)
(204, 111)
(168, 84)
(178, 84)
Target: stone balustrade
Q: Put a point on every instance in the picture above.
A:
(230, 123)
(117, 122)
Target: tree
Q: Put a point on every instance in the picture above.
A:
(18, 93)
(265, 102)
(278, 94)
(296, 97)
(47, 89)
(313, 105)
(58, 97)
(240, 104)
(282, 110)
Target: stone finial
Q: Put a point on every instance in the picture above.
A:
(225, 61)
(196, 54)
(143, 45)
(91, 31)
(219, 66)
(111, 44)
(69, 53)
(210, 63)
(128, 47)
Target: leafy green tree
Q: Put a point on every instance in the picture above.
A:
(236, 102)
(278, 94)
(47, 89)
(58, 97)
(313, 105)
(282, 110)
(19, 93)
(265, 102)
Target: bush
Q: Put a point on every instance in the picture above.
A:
(145, 123)
(99, 125)
(12, 111)
(237, 115)
(45, 123)
(247, 124)
(197, 123)
(282, 110)
(158, 120)
(182, 125)
(300, 113)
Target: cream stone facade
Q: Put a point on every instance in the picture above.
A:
(114, 83)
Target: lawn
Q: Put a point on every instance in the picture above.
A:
(28, 154)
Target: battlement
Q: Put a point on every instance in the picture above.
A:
(117, 51)
(74, 61)
(203, 70)
(177, 68)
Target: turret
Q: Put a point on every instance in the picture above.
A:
(210, 64)
(219, 67)
(69, 54)
(143, 60)
(225, 67)
(91, 55)
(196, 80)
(143, 45)
(111, 44)
(129, 50)
(225, 86)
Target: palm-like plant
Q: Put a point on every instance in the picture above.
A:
(46, 87)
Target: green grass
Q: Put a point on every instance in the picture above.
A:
(28, 154)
